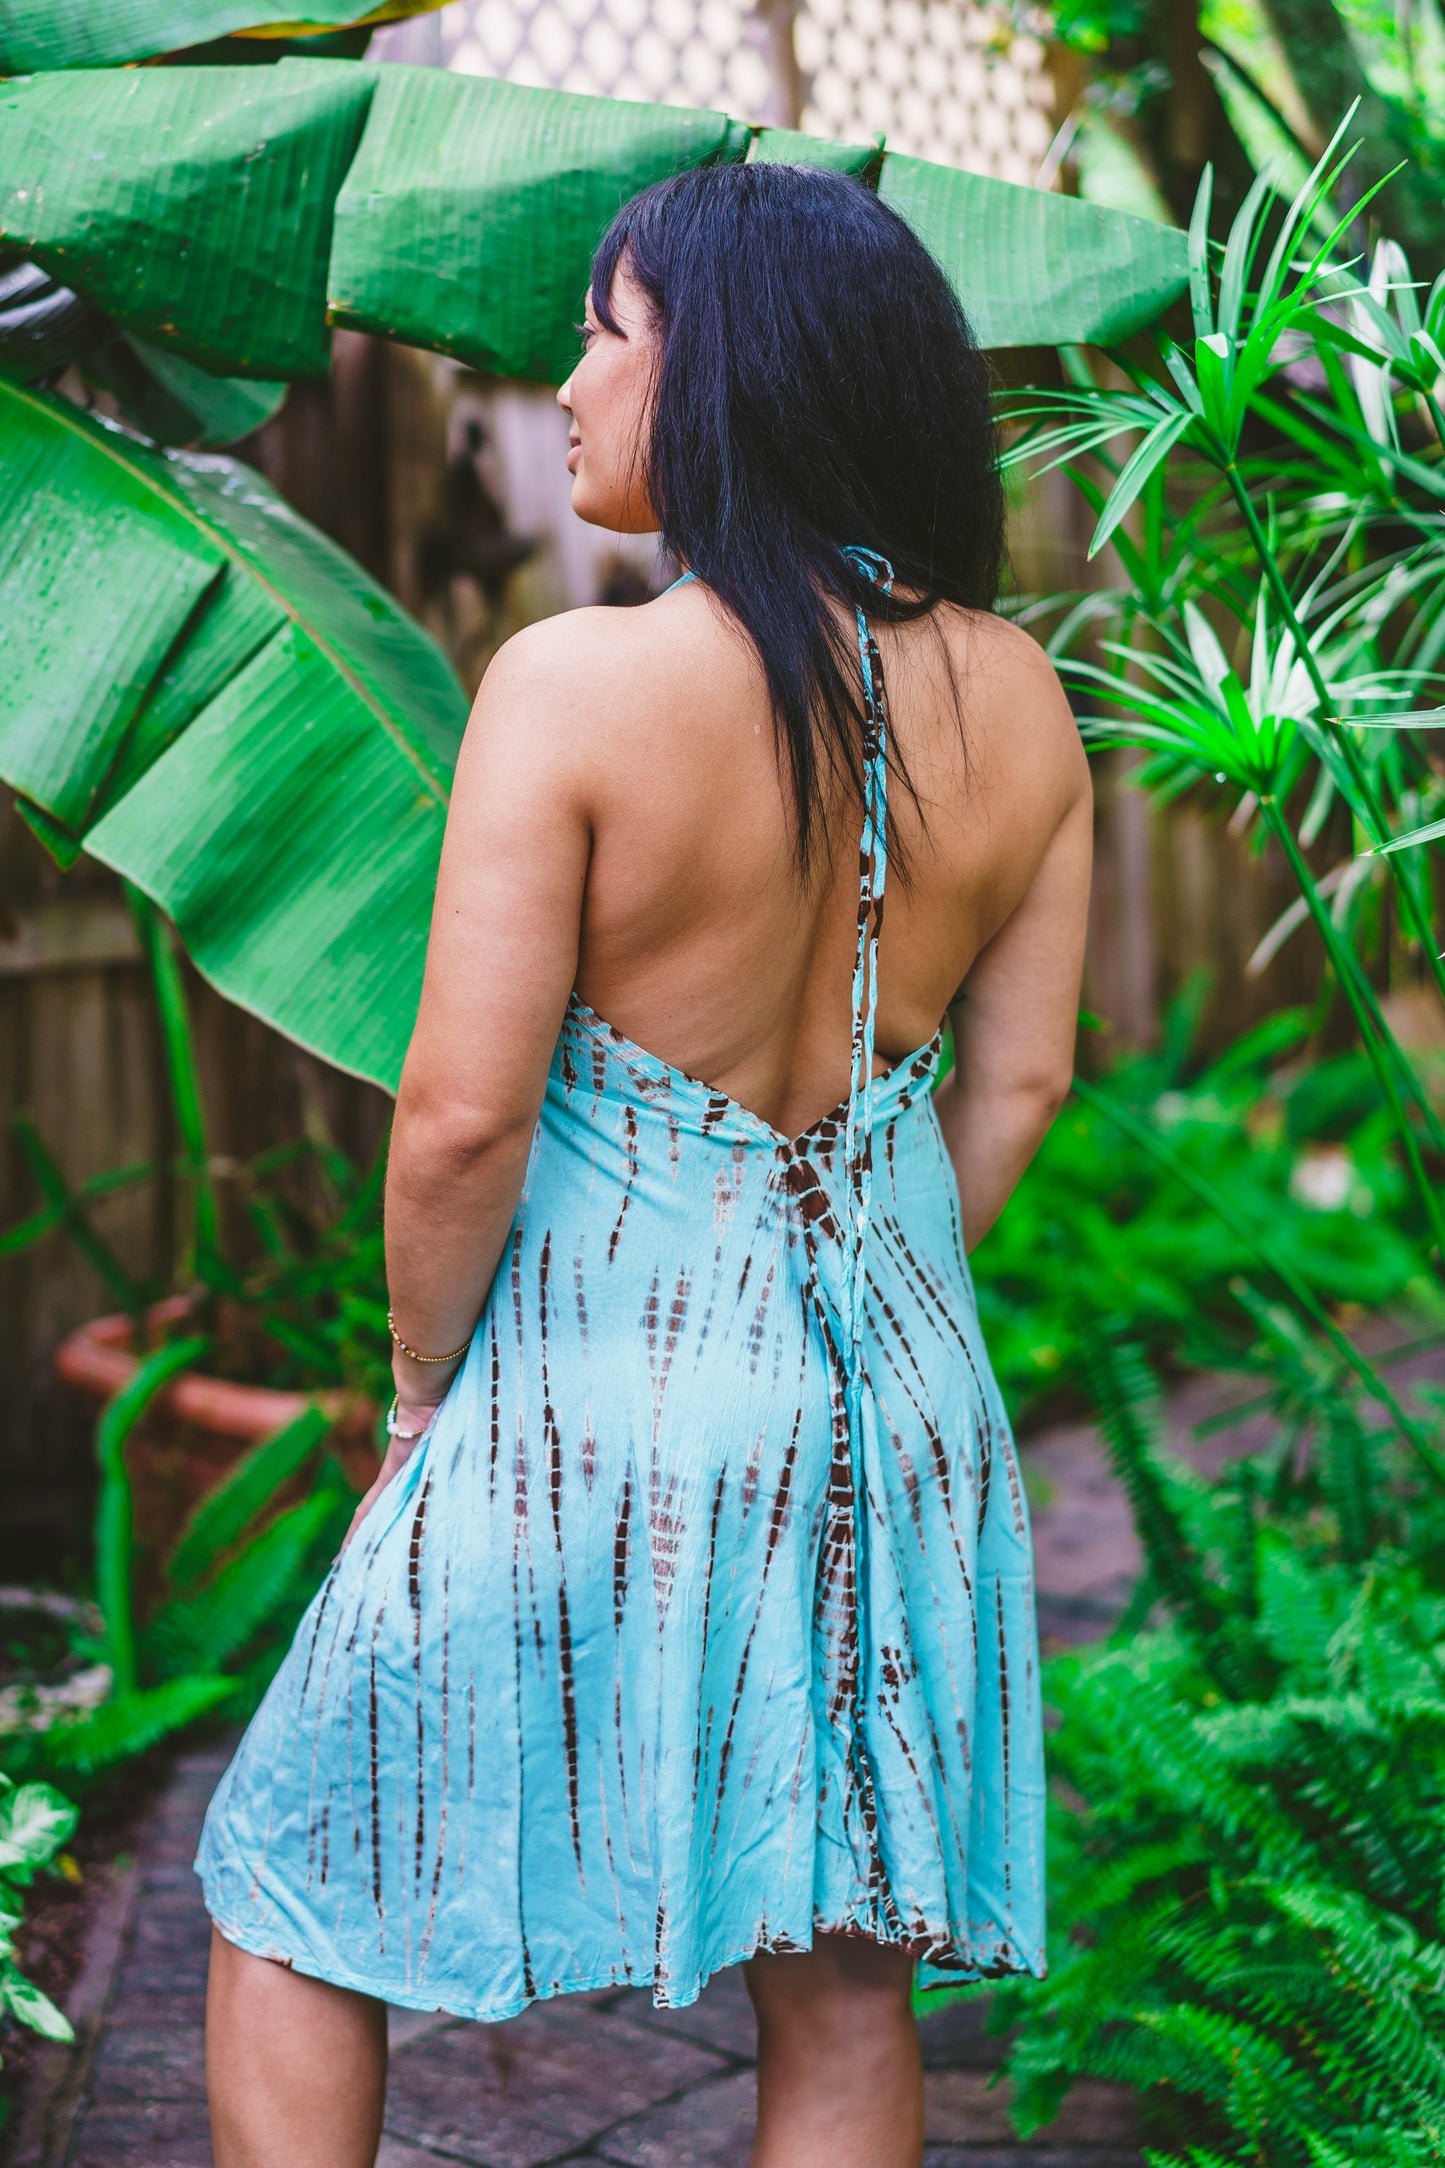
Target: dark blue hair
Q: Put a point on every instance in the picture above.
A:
(817, 385)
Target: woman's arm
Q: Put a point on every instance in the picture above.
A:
(500, 964)
(1015, 1022)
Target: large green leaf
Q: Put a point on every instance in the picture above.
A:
(1036, 269)
(465, 211)
(94, 593)
(200, 210)
(36, 34)
(279, 783)
(172, 401)
(469, 217)
(787, 147)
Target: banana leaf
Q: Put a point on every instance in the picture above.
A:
(44, 327)
(215, 700)
(788, 147)
(172, 401)
(201, 690)
(470, 213)
(37, 34)
(465, 212)
(200, 212)
(1035, 269)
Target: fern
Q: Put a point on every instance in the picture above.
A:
(1248, 1857)
(131, 1724)
(200, 1632)
(222, 1517)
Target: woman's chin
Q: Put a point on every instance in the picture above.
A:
(594, 506)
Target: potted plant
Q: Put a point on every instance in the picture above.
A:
(279, 1334)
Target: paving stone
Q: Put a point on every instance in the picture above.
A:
(150, 2061)
(396, 2153)
(1019, 2155)
(405, 2027)
(174, 1847)
(959, 2108)
(163, 2134)
(155, 1973)
(962, 2107)
(954, 2036)
(536, 2086)
(710, 2126)
(171, 1881)
(1029, 2156)
(132, 2012)
(721, 2018)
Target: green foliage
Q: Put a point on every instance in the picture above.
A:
(1248, 1871)
(114, 1543)
(1247, 1862)
(1101, 1226)
(196, 1633)
(223, 1515)
(35, 1822)
(1277, 647)
(240, 1578)
(169, 618)
(119, 1730)
(38, 34)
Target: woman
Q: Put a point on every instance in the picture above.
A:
(690, 1619)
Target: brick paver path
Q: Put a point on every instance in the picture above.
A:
(600, 2080)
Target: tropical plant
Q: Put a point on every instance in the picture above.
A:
(1164, 1179)
(288, 1286)
(201, 691)
(36, 1821)
(1249, 1802)
(235, 1584)
(43, 34)
(1159, 88)
(306, 1308)
(1277, 648)
(1250, 1792)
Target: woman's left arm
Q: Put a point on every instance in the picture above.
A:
(500, 965)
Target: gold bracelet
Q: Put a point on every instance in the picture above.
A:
(455, 1355)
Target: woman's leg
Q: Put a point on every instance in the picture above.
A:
(840, 2078)
(295, 2069)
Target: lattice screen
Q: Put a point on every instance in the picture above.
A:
(940, 78)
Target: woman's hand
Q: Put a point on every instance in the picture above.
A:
(415, 1411)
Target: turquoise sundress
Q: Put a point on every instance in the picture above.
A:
(702, 1618)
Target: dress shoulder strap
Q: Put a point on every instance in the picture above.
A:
(872, 879)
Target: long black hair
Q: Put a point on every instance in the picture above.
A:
(817, 385)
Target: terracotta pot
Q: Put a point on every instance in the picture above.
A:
(197, 1427)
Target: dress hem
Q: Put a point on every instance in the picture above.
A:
(966, 1971)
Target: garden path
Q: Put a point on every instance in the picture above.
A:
(596, 2081)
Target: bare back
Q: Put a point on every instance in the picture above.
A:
(700, 941)
(621, 826)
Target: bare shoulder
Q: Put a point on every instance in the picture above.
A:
(602, 695)
(600, 654)
(553, 660)
(1013, 694)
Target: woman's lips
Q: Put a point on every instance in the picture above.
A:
(574, 453)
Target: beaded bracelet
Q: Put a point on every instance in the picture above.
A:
(455, 1355)
(408, 1437)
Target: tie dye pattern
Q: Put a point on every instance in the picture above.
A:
(702, 1619)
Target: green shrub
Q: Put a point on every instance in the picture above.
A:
(1248, 1822)
(1100, 1227)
